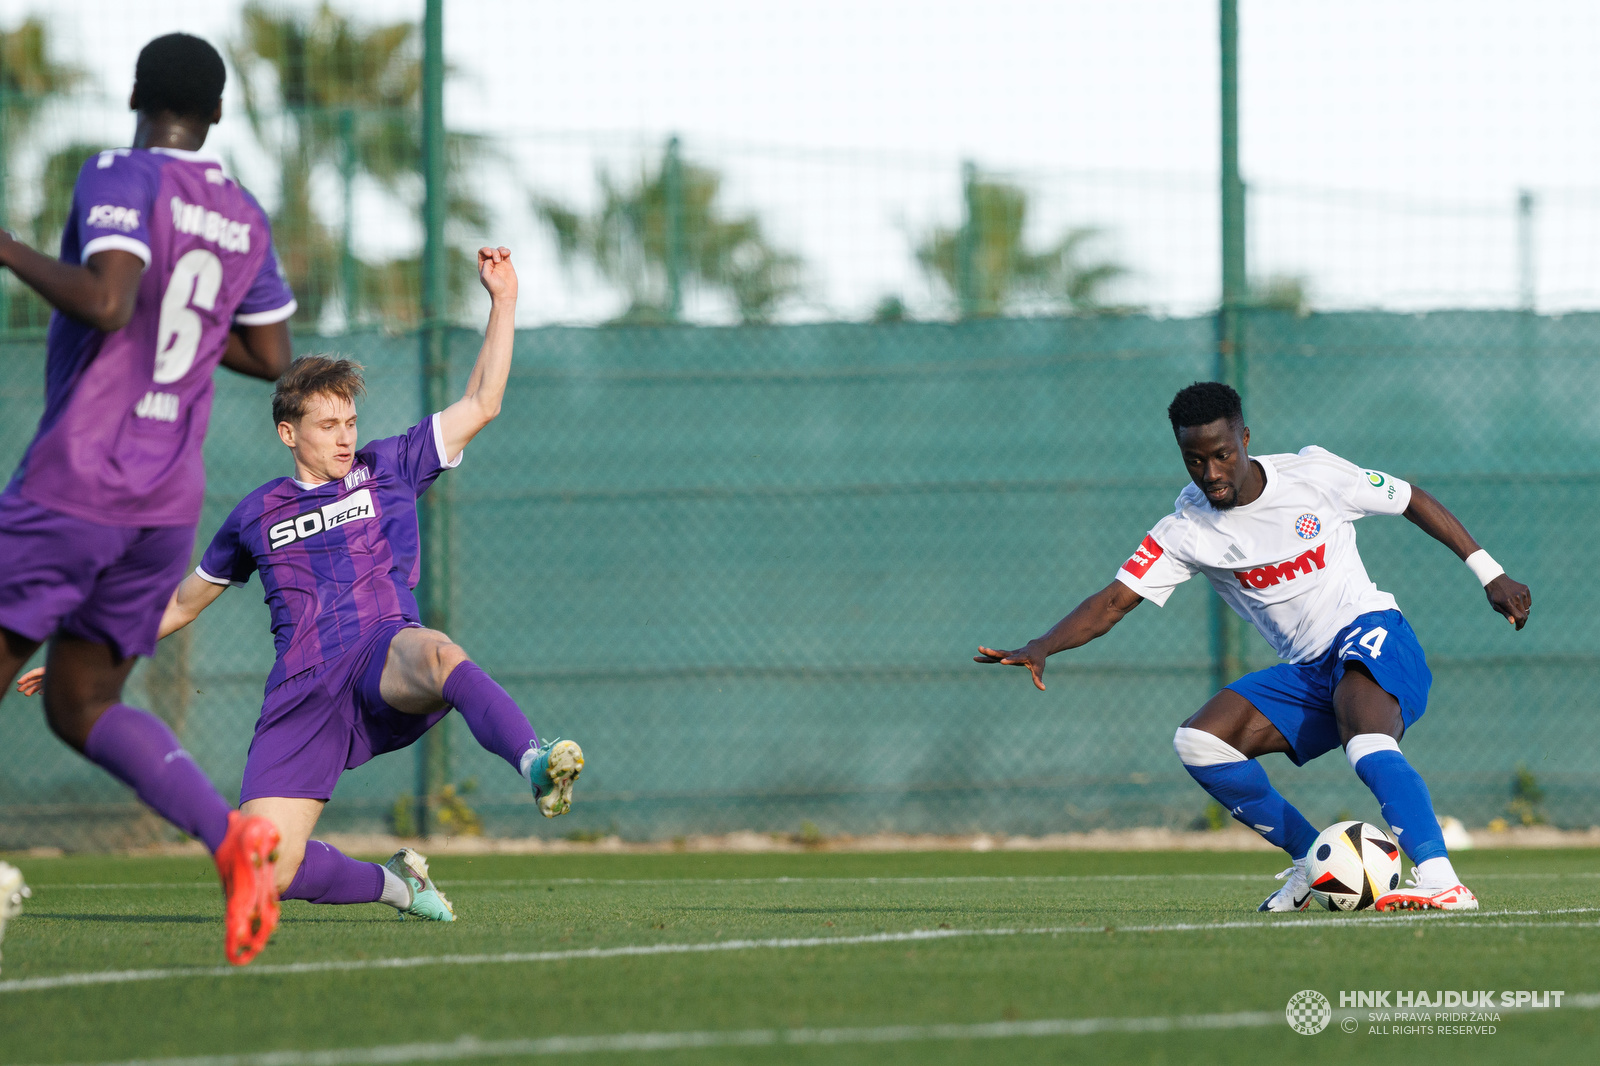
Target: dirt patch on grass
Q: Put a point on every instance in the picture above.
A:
(749, 842)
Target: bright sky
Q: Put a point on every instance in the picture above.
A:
(844, 123)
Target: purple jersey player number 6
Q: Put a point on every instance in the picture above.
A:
(126, 411)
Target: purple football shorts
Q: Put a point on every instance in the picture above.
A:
(108, 584)
(326, 720)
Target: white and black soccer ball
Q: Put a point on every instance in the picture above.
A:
(1351, 864)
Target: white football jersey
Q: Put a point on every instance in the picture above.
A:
(1286, 562)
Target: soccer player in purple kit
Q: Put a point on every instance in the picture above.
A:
(338, 550)
(166, 269)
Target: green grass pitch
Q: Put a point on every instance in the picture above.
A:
(1131, 957)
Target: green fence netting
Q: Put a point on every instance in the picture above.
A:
(747, 567)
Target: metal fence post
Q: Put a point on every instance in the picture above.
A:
(1527, 278)
(433, 754)
(5, 207)
(1227, 628)
(672, 193)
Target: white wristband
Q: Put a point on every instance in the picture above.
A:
(1483, 566)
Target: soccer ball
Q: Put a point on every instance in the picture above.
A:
(1351, 864)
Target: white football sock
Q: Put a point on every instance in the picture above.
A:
(527, 760)
(396, 893)
(1437, 874)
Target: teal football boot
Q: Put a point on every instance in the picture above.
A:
(426, 899)
(552, 770)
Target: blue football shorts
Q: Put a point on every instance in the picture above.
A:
(1298, 697)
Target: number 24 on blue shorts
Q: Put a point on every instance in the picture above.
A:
(1298, 697)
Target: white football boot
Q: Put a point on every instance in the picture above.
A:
(1295, 895)
(426, 899)
(1420, 897)
(12, 893)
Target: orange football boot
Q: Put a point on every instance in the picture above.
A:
(246, 860)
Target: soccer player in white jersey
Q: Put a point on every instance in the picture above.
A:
(1275, 536)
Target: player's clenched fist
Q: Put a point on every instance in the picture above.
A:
(497, 273)
(1510, 598)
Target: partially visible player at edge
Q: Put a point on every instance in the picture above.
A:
(1275, 536)
(166, 269)
(338, 551)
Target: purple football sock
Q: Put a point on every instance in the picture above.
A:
(496, 721)
(328, 875)
(139, 750)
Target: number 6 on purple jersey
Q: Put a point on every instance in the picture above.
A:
(126, 412)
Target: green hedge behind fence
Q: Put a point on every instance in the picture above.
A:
(747, 568)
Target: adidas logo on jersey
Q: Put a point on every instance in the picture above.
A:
(353, 508)
(1266, 576)
(195, 220)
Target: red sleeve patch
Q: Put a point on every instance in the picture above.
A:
(1144, 557)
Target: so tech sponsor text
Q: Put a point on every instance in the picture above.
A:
(355, 507)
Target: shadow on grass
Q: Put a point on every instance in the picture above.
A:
(129, 919)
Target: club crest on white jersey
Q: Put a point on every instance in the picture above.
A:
(1286, 561)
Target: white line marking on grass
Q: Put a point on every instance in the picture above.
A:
(469, 1047)
(114, 977)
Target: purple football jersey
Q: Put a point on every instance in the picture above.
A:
(335, 559)
(126, 412)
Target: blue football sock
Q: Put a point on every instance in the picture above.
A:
(1405, 802)
(1243, 788)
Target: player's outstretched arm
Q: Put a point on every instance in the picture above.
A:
(1092, 618)
(479, 405)
(1511, 598)
(100, 293)
(259, 351)
(193, 595)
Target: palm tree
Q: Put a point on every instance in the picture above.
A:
(345, 97)
(30, 78)
(988, 269)
(666, 228)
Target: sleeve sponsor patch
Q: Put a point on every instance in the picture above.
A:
(110, 216)
(1144, 557)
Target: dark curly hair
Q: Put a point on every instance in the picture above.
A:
(1204, 402)
(179, 73)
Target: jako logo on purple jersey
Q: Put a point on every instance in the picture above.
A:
(110, 216)
(353, 508)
